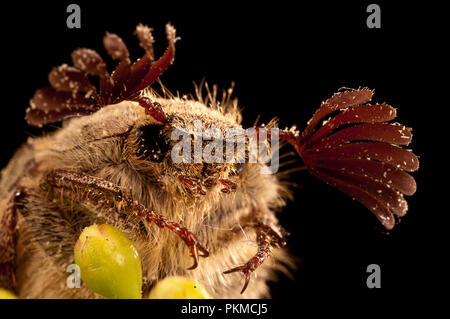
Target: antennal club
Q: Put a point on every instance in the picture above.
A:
(72, 94)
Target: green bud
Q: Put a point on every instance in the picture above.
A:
(178, 287)
(109, 263)
(6, 294)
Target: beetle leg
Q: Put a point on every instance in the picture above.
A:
(266, 238)
(97, 191)
(8, 242)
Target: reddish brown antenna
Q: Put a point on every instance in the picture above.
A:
(72, 94)
(358, 152)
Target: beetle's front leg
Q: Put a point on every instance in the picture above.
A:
(97, 191)
(266, 238)
(8, 242)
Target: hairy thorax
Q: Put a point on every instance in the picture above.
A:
(104, 145)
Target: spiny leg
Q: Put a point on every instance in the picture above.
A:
(266, 238)
(94, 190)
(8, 242)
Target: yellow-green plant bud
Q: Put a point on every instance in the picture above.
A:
(178, 287)
(6, 294)
(109, 263)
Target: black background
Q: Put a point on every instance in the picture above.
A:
(285, 60)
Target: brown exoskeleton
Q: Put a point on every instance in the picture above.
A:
(111, 163)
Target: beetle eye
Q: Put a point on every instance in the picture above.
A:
(240, 167)
(152, 144)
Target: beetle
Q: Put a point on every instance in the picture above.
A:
(111, 162)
